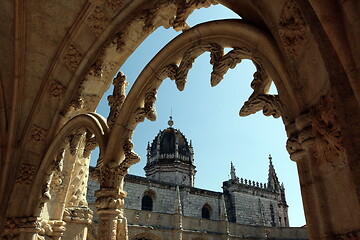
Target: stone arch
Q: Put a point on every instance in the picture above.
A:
(247, 41)
(206, 211)
(53, 199)
(148, 200)
(146, 236)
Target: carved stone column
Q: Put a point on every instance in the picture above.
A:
(110, 207)
(77, 221)
(328, 192)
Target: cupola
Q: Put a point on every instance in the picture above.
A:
(170, 157)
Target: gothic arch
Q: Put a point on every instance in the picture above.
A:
(247, 41)
(146, 236)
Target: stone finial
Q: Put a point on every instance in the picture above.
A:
(170, 122)
(232, 172)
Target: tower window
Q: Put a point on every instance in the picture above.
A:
(206, 211)
(147, 203)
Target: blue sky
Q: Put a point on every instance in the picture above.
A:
(210, 118)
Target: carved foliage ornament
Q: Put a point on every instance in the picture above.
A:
(37, 134)
(56, 89)
(72, 57)
(97, 20)
(111, 176)
(292, 29)
(78, 215)
(26, 174)
(117, 99)
(13, 226)
(326, 131)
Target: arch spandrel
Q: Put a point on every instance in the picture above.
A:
(252, 43)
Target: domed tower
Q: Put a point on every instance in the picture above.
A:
(170, 158)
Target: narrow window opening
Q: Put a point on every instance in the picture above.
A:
(206, 211)
(147, 203)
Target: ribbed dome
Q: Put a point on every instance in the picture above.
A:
(168, 141)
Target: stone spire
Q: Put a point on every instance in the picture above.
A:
(178, 207)
(273, 182)
(232, 172)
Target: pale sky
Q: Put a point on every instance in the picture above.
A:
(210, 118)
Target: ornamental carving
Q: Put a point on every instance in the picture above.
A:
(298, 142)
(179, 73)
(117, 99)
(114, 4)
(77, 187)
(56, 89)
(55, 165)
(292, 29)
(51, 228)
(229, 60)
(26, 174)
(91, 143)
(97, 20)
(78, 215)
(57, 181)
(185, 8)
(74, 141)
(110, 198)
(37, 134)
(111, 176)
(149, 105)
(326, 131)
(72, 58)
(269, 104)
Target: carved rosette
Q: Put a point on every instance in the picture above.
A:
(72, 58)
(327, 133)
(97, 20)
(117, 99)
(114, 4)
(37, 134)
(56, 89)
(292, 29)
(26, 174)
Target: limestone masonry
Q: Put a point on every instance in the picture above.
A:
(244, 207)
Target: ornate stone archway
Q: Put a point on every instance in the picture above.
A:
(56, 75)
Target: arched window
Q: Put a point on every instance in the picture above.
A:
(147, 203)
(206, 211)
